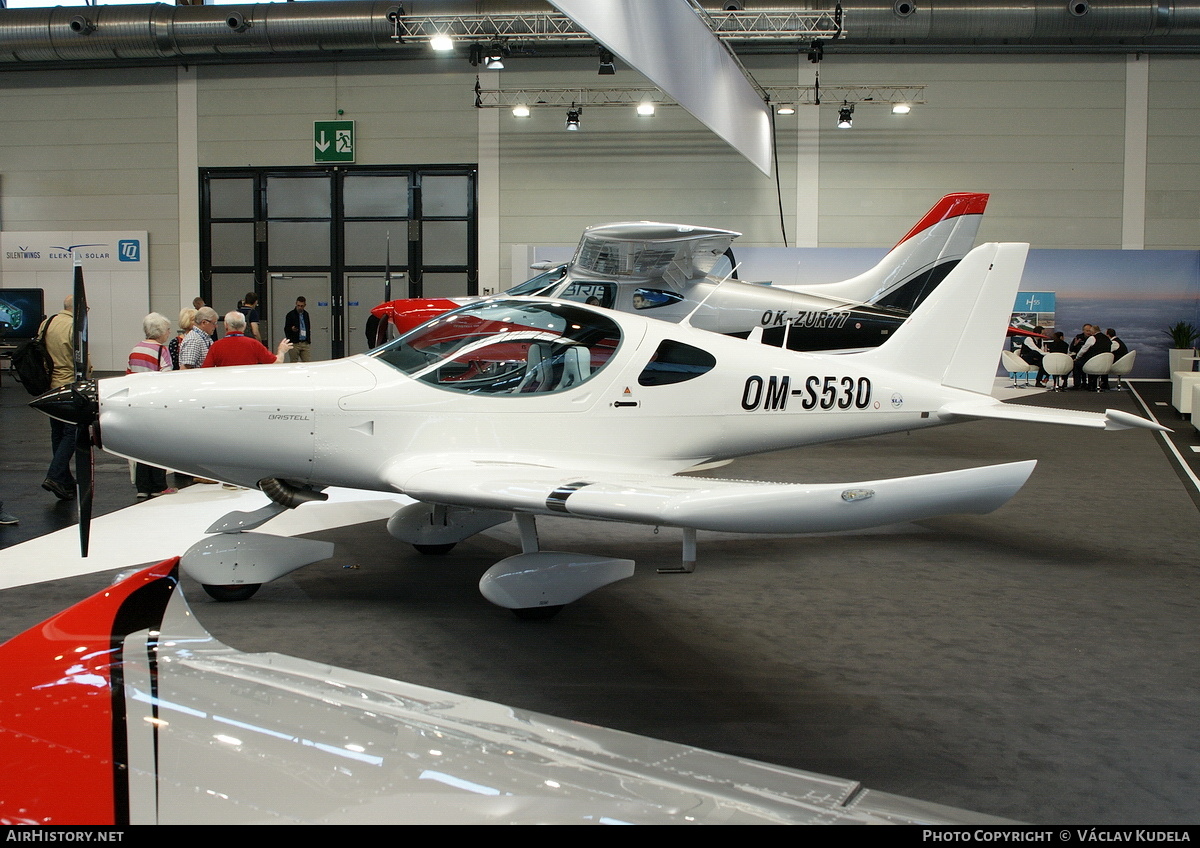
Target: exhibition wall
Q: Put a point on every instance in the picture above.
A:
(1092, 152)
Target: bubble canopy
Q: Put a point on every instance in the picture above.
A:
(507, 347)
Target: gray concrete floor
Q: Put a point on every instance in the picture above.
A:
(1039, 663)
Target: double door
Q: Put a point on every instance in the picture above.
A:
(337, 322)
(332, 236)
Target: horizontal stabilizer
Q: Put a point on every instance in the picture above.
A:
(723, 505)
(1112, 419)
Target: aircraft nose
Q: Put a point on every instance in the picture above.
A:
(76, 404)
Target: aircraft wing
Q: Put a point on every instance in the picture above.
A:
(124, 710)
(1111, 419)
(707, 504)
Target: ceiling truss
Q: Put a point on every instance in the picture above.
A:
(558, 28)
(803, 95)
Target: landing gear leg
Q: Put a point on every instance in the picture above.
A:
(688, 565)
(527, 525)
(536, 584)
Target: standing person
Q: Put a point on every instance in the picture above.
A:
(198, 304)
(187, 319)
(373, 325)
(151, 354)
(297, 328)
(237, 348)
(198, 340)
(249, 308)
(59, 333)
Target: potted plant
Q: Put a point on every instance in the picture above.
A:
(1183, 337)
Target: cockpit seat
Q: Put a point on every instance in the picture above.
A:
(537, 370)
(577, 367)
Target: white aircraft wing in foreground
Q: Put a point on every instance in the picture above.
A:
(123, 710)
(524, 407)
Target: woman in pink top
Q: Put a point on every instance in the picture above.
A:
(151, 354)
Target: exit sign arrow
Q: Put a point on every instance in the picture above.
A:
(333, 141)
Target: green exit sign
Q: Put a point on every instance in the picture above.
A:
(333, 141)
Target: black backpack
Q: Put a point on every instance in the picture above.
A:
(32, 364)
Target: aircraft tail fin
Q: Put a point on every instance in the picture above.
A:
(954, 338)
(922, 259)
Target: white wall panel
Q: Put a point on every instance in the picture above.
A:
(1173, 154)
(1044, 135)
(94, 150)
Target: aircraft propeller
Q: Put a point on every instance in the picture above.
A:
(78, 404)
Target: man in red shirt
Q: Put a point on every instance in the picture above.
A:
(239, 349)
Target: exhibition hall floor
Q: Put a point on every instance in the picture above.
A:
(1040, 663)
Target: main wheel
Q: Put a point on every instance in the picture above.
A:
(435, 550)
(537, 613)
(232, 592)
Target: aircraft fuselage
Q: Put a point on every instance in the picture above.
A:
(341, 422)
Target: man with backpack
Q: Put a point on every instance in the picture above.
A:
(59, 333)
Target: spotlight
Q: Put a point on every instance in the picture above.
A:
(573, 118)
(646, 110)
(606, 63)
(520, 111)
(495, 56)
(901, 109)
(786, 109)
(845, 116)
(441, 42)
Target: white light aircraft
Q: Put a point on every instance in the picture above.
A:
(677, 271)
(519, 407)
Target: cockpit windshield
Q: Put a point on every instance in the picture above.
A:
(538, 284)
(507, 347)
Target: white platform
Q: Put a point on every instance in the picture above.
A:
(164, 527)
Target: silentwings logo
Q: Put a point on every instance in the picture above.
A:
(22, 252)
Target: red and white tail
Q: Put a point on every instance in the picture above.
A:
(920, 260)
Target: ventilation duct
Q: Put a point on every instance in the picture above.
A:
(164, 34)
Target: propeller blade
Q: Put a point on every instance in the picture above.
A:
(87, 406)
(80, 346)
(85, 484)
(78, 404)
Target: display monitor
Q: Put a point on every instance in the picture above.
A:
(21, 312)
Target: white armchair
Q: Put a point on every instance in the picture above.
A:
(1014, 365)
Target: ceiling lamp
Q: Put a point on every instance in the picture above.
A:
(786, 109)
(573, 118)
(495, 56)
(645, 109)
(520, 111)
(606, 63)
(441, 42)
(901, 109)
(846, 116)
